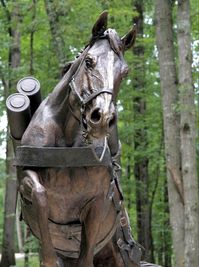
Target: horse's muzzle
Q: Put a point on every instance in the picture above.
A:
(100, 118)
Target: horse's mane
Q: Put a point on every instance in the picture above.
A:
(60, 91)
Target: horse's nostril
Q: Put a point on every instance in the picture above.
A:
(112, 121)
(96, 115)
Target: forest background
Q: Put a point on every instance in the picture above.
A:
(157, 106)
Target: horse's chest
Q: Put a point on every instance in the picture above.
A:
(69, 190)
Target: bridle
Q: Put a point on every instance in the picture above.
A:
(84, 101)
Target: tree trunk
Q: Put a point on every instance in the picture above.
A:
(8, 246)
(32, 32)
(19, 230)
(128, 198)
(188, 136)
(54, 12)
(156, 178)
(141, 164)
(168, 80)
(167, 253)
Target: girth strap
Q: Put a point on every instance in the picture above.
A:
(60, 157)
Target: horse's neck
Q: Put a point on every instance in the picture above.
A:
(52, 125)
(62, 87)
(66, 119)
(71, 130)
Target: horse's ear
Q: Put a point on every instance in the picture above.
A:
(128, 40)
(100, 25)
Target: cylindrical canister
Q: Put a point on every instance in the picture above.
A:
(30, 87)
(18, 109)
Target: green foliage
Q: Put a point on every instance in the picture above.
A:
(33, 261)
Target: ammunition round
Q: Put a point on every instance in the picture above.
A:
(30, 87)
(18, 108)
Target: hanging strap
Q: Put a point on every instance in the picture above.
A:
(129, 249)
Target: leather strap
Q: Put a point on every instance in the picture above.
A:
(59, 157)
(91, 96)
(129, 249)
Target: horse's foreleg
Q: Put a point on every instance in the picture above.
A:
(90, 229)
(33, 192)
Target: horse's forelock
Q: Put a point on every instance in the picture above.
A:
(114, 40)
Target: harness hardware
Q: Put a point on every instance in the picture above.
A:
(123, 221)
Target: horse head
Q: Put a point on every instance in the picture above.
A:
(95, 83)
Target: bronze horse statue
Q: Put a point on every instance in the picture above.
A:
(73, 204)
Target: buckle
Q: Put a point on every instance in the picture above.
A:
(123, 221)
(135, 254)
(120, 243)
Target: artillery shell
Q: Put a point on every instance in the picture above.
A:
(18, 108)
(30, 87)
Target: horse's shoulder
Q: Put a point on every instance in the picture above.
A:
(42, 129)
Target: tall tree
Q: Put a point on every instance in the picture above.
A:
(32, 32)
(169, 90)
(8, 247)
(141, 163)
(188, 136)
(54, 11)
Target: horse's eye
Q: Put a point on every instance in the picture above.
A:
(89, 63)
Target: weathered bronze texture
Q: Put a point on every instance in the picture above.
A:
(62, 157)
(18, 110)
(30, 87)
(77, 212)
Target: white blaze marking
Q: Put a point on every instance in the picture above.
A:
(104, 100)
(110, 69)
